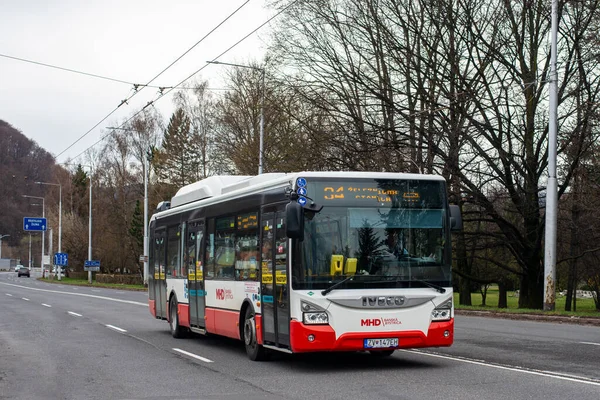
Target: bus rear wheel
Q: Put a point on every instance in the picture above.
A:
(177, 331)
(255, 351)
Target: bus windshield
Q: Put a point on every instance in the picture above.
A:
(383, 233)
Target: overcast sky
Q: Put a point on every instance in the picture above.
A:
(130, 40)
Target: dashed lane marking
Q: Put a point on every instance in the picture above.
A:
(74, 314)
(25, 298)
(46, 305)
(592, 343)
(197, 357)
(116, 328)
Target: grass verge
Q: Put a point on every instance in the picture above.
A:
(84, 282)
(585, 307)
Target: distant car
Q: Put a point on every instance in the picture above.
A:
(23, 271)
(18, 267)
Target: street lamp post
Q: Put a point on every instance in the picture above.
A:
(2, 237)
(59, 219)
(30, 263)
(43, 232)
(262, 104)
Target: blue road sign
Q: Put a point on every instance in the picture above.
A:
(91, 265)
(301, 182)
(302, 201)
(301, 191)
(34, 224)
(61, 259)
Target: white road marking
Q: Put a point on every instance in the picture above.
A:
(193, 355)
(116, 328)
(592, 343)
(25, 298)
(547, 374)
(46, 305)
(137, 303)
(8, 294)
(74, 313)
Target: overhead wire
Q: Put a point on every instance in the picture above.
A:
(162, 94)
(68, 69)
(108, 78)
(136, 91)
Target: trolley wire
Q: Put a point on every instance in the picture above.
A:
(136, 91)
(163, 94)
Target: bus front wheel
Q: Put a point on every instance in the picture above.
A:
(255, 351)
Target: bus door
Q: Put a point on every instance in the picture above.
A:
(160, 283)
(193, 255)
(275, 304)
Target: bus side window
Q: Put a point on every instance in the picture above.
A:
(209, 268)
(224, 248)
(173, 246)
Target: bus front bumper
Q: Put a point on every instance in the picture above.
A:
(440, 334)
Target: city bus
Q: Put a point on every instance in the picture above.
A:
(307, 262)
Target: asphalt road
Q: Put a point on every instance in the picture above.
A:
(64, 342)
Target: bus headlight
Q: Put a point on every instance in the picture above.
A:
(442, 312)
(315, 318)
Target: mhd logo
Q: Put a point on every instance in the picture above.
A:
(224, 294)
(370, 322)
(380, 321)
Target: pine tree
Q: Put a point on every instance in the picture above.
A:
(80, 192)
(177, 159)
(136, 229)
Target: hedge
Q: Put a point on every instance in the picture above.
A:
(121, 279)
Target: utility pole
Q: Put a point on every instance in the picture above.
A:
(552, 187)
(146, 166)
(90, 231)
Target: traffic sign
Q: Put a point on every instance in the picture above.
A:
(91, 265)
(34, 224)
(61, 259)
(143, 258)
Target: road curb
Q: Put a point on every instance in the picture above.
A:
(531, 317)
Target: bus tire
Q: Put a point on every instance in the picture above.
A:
(177, 331)
(382, 353)
(254, 350)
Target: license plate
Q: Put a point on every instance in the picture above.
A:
(381, 343)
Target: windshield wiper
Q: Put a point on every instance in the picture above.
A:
(330, 288)
(431, 285)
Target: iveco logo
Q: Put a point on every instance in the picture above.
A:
(383, 301)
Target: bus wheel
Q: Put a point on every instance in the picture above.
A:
(382, 353)
(177, 331)
(255, 351)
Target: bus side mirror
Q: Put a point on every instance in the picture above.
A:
(294, 221)
(455, 218)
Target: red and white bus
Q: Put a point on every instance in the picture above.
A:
(306, 262)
